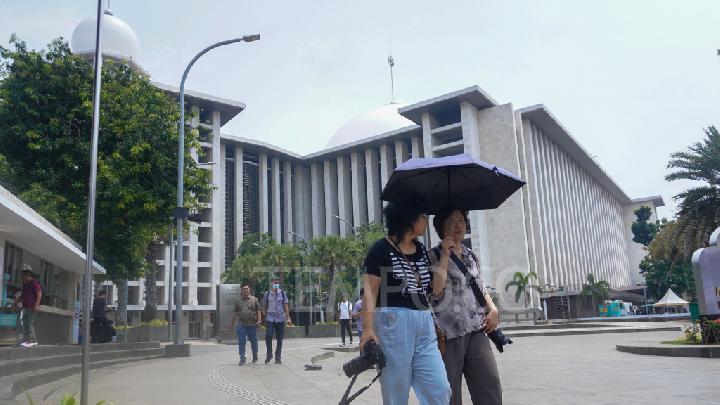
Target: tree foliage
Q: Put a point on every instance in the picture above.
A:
(643, 231)
(45, 128)
(522, 283)
(597, 291)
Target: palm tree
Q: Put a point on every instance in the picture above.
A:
(596, 290)
(699, 209)
(330, 252)
(522, 285)
(282, 259)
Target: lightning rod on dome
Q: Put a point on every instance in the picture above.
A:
(391, 62)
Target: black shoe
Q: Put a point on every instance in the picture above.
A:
(254, 358)
(277, 360)
(267, 359)
(242, 362)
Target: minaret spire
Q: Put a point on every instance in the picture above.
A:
(391, 62)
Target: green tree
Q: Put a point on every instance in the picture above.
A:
(643, 231)
(331, 253)
(358, 246)
(522, 285)
(699, 207)
(45, 126)
(597, 291)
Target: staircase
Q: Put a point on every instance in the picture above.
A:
(22, 369)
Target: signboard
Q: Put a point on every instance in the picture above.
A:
(227, 295)
(706, 269)
(76, 323)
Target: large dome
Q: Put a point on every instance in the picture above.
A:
(377, 121)
(118, 39)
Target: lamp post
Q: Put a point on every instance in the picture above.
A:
(352, 228)
(85, 369)
(180, 212)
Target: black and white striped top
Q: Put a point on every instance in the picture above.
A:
(399, 286)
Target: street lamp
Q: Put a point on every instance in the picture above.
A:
(180, 213)
(85, 368)
(352, 228)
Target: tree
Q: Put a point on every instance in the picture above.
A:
(598, 291)
(699, 207)
(45, 126)
(358, 245)
(246, 267)
(522, 285)
(330, 252)
(643, 231)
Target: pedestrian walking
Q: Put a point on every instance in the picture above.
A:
(277, 313)
(357, 314)
(345, 309)
(245, 321)
(30, 300)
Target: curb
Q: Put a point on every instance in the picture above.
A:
(594, 332)
(712, 351)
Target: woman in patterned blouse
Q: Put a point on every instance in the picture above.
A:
(465, 323)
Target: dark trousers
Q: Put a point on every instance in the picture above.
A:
(277, 329)
(345, 326)
(472, 356)
(245, 333)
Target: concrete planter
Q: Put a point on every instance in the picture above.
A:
(144, 333)
(327, 330)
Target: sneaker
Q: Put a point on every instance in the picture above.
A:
(28, 344)
(267, 359)
(277, 360)
(255, 358)
(242, 362)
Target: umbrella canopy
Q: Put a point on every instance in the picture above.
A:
(670, 300)
(460, 180)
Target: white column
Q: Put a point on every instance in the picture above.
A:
(345, 203)
(331, 198)
(386, 164)
(218, 215)
(303, 212)
(239, 196)
(428, 122)
(263, 207)
(372, 177)
(359, 190)
(417, 147)
(531, 156)
(317, 187)
(401, 152)
(288, 208)
(276, 206)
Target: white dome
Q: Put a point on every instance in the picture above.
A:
(118, 39)
(377, 121)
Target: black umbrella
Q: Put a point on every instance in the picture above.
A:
(459, 180)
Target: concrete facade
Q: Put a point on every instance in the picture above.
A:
(570, 219)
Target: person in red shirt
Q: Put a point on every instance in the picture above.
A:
(30, 299)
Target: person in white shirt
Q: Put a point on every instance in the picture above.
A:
(344, 309)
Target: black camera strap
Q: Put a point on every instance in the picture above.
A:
(345, 400)
(472, 281)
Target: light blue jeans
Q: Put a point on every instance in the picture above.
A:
(408, 339)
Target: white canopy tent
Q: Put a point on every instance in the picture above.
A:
(670, 300)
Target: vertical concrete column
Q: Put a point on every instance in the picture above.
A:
(533, 199)
(359, 190)
(288, 207)
(428, 123)
(317, 188)
(276, 206)
(386, 164)
(303, 212)
(345, 196)
(332, 225)
(401, 152)
(218, 215)
(239, 196)
(372, 177)
(506, 224)
(417, 147)
(263, 202)
(527, 209)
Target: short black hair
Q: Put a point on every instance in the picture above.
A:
(443, 214)
(400, 215)
(27, 273)
(101, 293)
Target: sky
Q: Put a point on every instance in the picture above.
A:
(633, 81)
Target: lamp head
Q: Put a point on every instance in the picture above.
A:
(251, 38)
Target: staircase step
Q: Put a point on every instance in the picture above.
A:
(12, 367)
(12, 386)
(18, 353)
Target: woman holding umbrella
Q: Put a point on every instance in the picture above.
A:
(397, 315)
(465, 323)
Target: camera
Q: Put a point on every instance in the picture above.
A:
(372, 355)
(499, 339)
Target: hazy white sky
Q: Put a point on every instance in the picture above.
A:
(632, 80)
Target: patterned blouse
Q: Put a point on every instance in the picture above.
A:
(457, 309)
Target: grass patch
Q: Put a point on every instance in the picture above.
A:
(679, 341)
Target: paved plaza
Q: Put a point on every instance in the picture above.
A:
(584, 369)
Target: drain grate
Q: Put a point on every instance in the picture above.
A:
(218, 380)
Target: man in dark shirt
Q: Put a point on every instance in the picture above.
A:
(99, 306)
(30, 299)
(246, 320)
